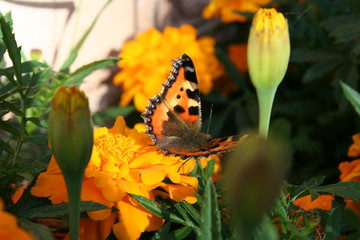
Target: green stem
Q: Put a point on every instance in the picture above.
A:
(266, 99)
(22, 127)
(73, 185)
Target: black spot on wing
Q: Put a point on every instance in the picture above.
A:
(179, 109)
(193, 94)
(194, 110)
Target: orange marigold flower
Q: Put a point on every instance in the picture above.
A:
(146, 62)
(122, 163)
(9, 228)
(225, 9)
(323, 202)
(238, 55)
(354, 149)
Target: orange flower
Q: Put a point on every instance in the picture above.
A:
(350, 171)
(354, 150)
(146, 62)
(323, 202)
(122, 163)
(238, 55)
(225, 9)
(9, 228)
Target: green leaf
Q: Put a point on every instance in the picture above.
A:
(6, 126)
(266, 230)
(75, 50)
(7, 91)
(320, 69)
(160, 234)
(30, 66)
(38, 122)
(5, 146)
(349, 190)
(210, 224)
(302, 55)
(191, 211)
(182, 232)
(38, 139)
(334, 221)
(352, 96)
(12, 108)
(39, 231)
(78, 76)
(158, 211)
(13, 49)
(58, 210)
(344, 28)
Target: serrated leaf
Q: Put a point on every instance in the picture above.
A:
(59, 210)
(191, 211)
(352, 95)
(7, 91)
(210, 224)
(37, 121)
(320, 69)
(344, 28)
(6, 126)
(8, 74)
(29, 66)
(334, 221)
(39, 231)
(160, 234)
(12, 47)
(38, 139)
(182, 232)
(78, 76)
(349, 190)
(5, 146)
(302, 55)
(12, 108)
(157, 210)
(182, 212)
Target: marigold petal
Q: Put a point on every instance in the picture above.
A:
(52, 186)
(127, 228)
(152, 176)
(350, 171)
(181, 193)
(323, 202)
(354, 149)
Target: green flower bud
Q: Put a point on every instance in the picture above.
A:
(268, 49)
(70, 130)
(71, 141)
(253, 178)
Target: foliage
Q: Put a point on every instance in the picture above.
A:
(315, 112)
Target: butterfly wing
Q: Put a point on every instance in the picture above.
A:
(212, 147)
(175, 114)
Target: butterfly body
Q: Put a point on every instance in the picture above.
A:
(173, 117)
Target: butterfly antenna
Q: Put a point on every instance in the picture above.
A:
(208, 128)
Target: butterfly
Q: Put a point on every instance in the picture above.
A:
(173, 117)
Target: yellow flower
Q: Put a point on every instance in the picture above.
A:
(122, 163)
(225, 9)
(9, 228)
(146, 62)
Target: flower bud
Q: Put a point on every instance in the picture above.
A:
(70, 130)
(253, 178)
(268, 49)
